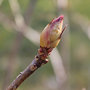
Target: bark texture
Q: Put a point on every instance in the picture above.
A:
(39, 60)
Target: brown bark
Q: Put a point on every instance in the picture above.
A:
(39, 60)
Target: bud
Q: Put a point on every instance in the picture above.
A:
(51, 35)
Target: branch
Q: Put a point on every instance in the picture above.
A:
(7, 23)
(39, 60)
(29, 33)
(46, 46)
(57, 67)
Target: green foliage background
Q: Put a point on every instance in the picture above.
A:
(44, 11)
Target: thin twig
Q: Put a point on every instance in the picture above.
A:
(30, 37)
(37, 62)
(40, 59)
(23, 23)
(29, 33)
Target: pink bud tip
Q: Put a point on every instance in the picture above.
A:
(59, 19)
(62, 16)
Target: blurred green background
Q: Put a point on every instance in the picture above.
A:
(16, 51)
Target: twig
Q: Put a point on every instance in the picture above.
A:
(29, 33)
(43, 52)
(39, 60)
(53, 59)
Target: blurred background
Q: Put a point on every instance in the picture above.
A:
(21, 22)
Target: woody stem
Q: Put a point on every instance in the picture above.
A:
(39, 60)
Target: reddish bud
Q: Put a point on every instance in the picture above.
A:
(50, 36)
